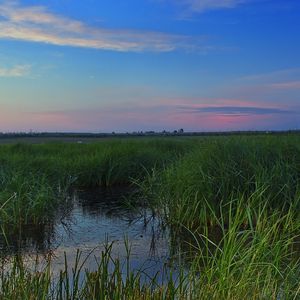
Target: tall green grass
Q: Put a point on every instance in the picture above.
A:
(34, 179)
(258, 261)
(105, 163)
(219, 170)
(254, 257)
(233, 206)
(231, 203)
(112, 279)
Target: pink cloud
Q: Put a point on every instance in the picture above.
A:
(198, 115)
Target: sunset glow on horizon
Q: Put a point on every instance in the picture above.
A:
(103, 66)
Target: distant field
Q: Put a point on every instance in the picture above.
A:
(90, 138)
(42, 140)
(45, 140)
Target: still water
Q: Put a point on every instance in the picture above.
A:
(88, 221)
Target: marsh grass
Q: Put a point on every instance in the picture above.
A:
(250, 260)
(256, 261)
(219, 170)
(34, 179)
(112, 279)
(245, 189)
(28, 198)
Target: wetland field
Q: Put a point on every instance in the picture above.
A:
(151, 218)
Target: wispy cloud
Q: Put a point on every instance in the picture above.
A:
(276, 86)
(291, 85)
(38, 24)
(204, 5)
(235, 110)
(159, 114)
(164, 115)
(200, 6)
(15, 71)
(275, 76)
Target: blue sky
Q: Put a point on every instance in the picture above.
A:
(87, 65)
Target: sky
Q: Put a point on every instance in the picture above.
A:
(138, 65)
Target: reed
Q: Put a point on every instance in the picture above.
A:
(36, 178)
(219, 170)
(258, 261)
(112, 279)
(231, 203)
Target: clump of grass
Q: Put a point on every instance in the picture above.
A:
(111, 280)
(257, 261)
(36, 178)
(221, 169)
(21, 283)
(26, 199)
(247, 190)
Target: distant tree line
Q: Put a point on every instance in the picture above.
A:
(179, 132)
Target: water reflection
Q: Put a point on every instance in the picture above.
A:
(27, 239)
(86, 222)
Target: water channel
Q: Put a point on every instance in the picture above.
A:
(88, 222)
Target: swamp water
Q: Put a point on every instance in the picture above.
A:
(89, 222)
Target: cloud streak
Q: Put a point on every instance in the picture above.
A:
(292, 85)
(15, 71)
(37, 24)
(201, 6)
(228, 114)
(205, 5)
(235, 110)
